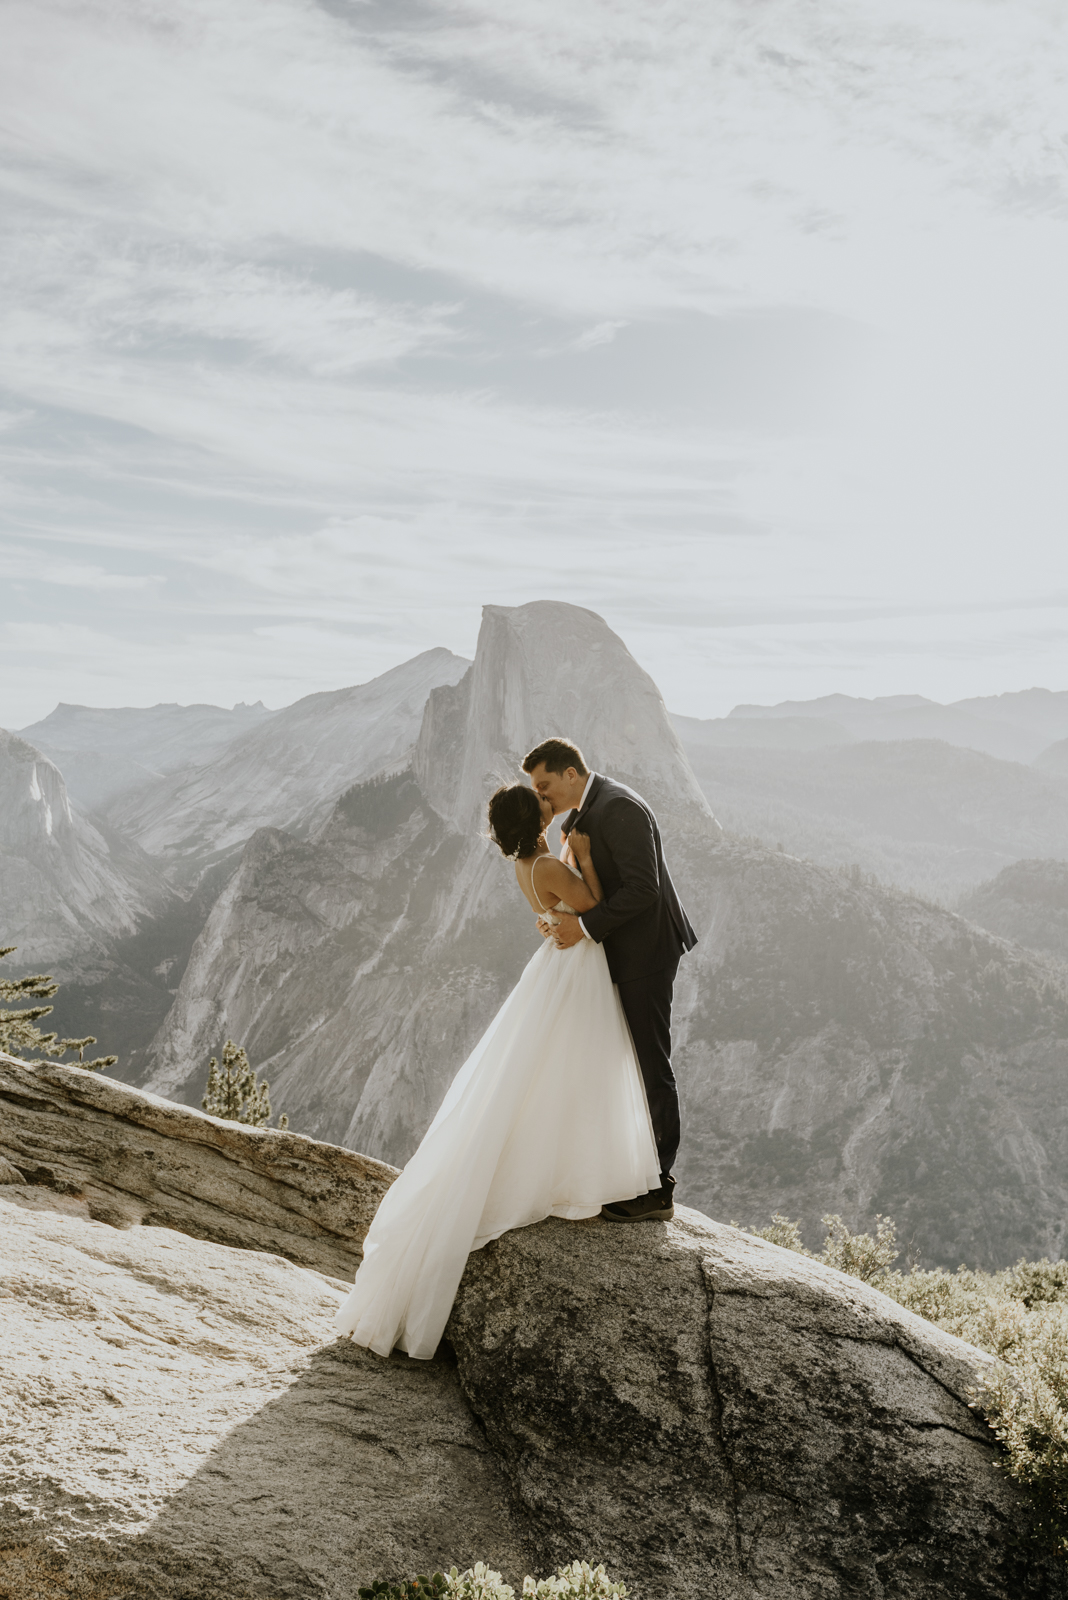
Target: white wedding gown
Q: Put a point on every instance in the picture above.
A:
(546, 1118)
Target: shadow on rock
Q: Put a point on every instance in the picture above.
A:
(360, 1468)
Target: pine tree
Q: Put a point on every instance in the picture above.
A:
(233, 1093)
(18, 1034)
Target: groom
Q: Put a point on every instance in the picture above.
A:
(642, 926)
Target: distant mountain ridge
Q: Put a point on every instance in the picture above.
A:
(104, 753)
(919, 813)
(1017, 726)
(287, 772)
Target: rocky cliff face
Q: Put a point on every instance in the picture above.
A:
(65, 890)
(542, 669)
(839, 1046)
(361, 966)
(710, 1415)
(842, 1047)
(286, 773)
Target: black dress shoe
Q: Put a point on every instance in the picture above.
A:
(656, 1206)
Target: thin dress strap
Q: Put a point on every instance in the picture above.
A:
(537, 896)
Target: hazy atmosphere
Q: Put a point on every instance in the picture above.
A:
(534, 697)
(325, 324)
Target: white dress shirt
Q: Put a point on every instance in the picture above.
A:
(581, 803)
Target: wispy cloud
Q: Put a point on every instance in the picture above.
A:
(351, 316)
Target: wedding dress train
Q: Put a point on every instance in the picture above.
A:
(547, 1117)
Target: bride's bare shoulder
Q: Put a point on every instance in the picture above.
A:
(554, 878)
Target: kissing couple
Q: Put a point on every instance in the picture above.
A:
(567, 1106)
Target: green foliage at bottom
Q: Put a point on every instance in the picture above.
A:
(407, 1589)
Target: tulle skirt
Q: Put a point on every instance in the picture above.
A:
(546, 1118)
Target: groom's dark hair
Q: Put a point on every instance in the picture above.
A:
(556, 755)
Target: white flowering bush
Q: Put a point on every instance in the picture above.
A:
(579, 1581)
(478, 1583)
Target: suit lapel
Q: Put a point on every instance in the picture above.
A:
(595, 788)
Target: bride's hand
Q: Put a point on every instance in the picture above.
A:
(580, 846)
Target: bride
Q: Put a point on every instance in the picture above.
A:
(546, 1118)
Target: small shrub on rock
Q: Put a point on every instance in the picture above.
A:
(579, 1581)
(478, 1583)
(234, 1093)
(1016, 1316)
(781, 1231)
(408, 1589)
(863, 1255)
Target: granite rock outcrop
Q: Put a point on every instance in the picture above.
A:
(718, 1416)
(134, 1160)
(181, 1424)
(708, 1414)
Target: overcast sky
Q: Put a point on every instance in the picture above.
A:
(326, 323)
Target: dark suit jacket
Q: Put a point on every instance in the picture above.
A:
(640, 921)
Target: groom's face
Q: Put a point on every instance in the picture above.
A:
(563, 790)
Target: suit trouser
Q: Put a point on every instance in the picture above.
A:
(647, 1007)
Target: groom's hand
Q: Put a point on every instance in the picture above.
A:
(567, 932)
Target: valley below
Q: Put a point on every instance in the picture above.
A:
(875, 1019)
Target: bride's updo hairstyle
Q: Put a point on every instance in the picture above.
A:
(515, 820)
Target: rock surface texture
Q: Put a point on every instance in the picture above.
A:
(180, 1424)
(131, 1159)
(715, 1416)
(708, 1414)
